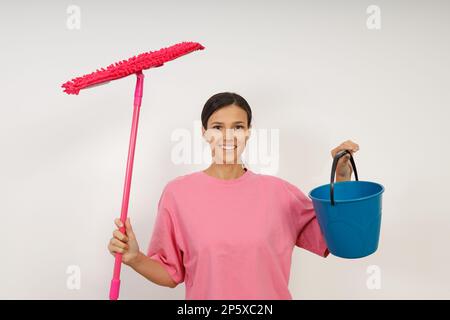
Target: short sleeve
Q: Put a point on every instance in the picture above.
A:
(309, 234)
(163, 245)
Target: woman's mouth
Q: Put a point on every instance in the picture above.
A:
(228, 147)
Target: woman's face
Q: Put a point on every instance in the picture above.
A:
(227, 133)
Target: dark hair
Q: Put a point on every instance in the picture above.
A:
(223, 99)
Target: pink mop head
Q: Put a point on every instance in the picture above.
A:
(135, 64)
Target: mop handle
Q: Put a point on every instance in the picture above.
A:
(115, 282)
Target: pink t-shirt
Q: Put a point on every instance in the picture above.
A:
(233, 239)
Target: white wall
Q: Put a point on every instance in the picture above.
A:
(311, 71)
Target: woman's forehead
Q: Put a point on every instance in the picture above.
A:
(231, 114)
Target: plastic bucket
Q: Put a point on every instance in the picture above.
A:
(349, 213)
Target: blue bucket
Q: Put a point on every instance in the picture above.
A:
(349, 213)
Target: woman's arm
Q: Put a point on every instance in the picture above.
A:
(152, 270)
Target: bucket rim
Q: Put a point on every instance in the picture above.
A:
(350, 200)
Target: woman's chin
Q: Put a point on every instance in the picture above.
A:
(225, 161)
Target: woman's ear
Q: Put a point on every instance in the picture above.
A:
(203, 133)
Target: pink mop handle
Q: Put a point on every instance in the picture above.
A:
(115, 282)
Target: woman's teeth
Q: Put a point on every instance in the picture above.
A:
(228, 147)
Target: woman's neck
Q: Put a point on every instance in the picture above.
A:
(225, 171)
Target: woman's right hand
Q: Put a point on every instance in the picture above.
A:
(126, 244)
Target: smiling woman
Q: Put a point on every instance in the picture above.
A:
(226, 125)
(226, 231)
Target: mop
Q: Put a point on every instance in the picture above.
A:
(134, 65)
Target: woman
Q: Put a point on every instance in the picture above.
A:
(225, 231)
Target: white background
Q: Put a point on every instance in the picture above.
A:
(312, 70)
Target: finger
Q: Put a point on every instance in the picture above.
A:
(111, 249)
(118, 223)
(348, 148)
(115, 249)
(118, 244)
(350, 145)
(337, 149)
(347, 145)
(128, 224)
(129, 228)
(117, 234)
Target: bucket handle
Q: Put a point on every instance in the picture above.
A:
(333, 171)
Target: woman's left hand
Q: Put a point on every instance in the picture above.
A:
(344, 167)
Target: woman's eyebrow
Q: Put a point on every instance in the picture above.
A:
(216, 122)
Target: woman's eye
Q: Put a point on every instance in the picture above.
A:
(237, 127)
